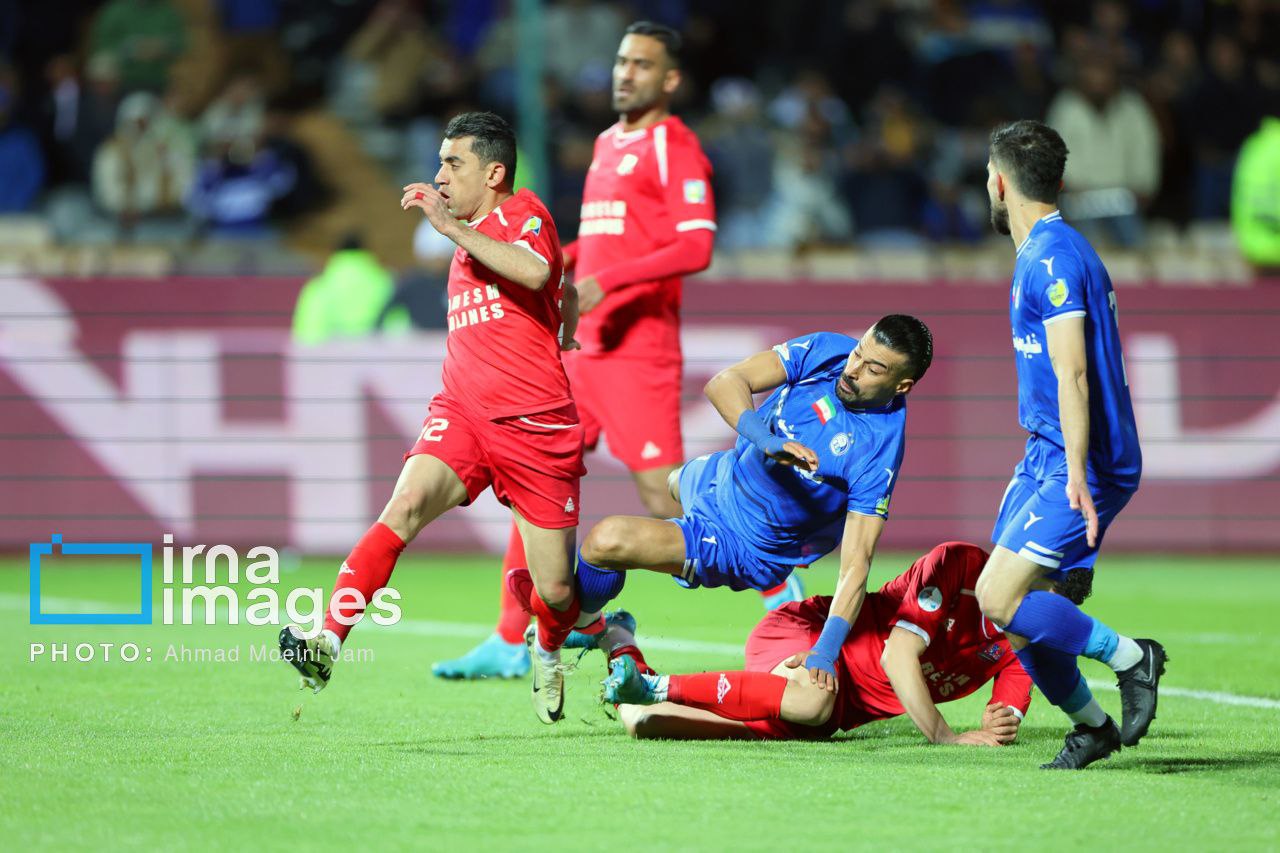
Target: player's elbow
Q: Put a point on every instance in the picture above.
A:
(638, 722)
(537, 276)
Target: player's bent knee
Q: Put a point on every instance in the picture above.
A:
(606, 543)
(405, 512)
(556, 593)
(807, 704)
(997, 605)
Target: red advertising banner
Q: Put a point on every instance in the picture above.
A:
(130, 409)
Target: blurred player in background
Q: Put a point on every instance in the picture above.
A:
(1082, 462)
(920, 641)
(505, 417)
(648, 219)
(814, 468)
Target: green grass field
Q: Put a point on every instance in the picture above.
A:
(166, 754)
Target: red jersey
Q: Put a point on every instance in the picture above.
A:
(503, 351)
(934, 599)
(644, 188)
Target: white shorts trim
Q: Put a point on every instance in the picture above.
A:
(1040, 559)
(548, 426)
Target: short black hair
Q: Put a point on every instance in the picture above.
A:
(909, 336)
(1076, 585)
(1034, 155)
(495, 141)
(670, 38)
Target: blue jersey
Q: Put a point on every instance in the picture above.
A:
(1059, 275)
(788, 515)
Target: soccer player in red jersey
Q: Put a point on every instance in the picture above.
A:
(920, 641)
(648, 219)
(504, 418)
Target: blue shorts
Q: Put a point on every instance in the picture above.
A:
(1038, 523)
(714, 554)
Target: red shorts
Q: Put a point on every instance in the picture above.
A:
(633, 401)
(532, 462)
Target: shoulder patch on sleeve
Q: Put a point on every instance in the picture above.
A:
(532, 225)
(1057, 293)
(929, 599)
(695, 191)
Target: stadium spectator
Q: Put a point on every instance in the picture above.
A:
(1114, 168)
(884, 184)
(1255, 198)
(235, 118)
(21, 162)
(144, 37)
(584, 33)
(347, 299)
(146, 168)
(422, 290)
(1223, 110)
(741, 148)
(394, 50)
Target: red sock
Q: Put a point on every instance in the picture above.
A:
(553, 625)
(366, 569)
(513, 619)
(732, 695)
(765, 593)
(636, 655)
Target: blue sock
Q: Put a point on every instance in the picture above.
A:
(1056, 675)
(1051, 620)
(597, 586)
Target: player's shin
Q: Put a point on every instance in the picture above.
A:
(597, 586)
(554, 625)
(1049, 619)
(732, 695)
(365, 571)
(1058, 677)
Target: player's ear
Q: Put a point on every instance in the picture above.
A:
(497, 175)
(905, 385)
(671, 81)
(1000, 185)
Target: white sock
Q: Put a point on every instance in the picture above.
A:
(659, 685)
(547, 658)
(335, 644)
(1091, 715)
(1128, 653)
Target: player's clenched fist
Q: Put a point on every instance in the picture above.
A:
(432, 203)
(1001, 721)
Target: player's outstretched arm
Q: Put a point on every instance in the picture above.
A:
(730, 392)
(901, 663)
(1070, 361)
(861, 533)
(514, 263)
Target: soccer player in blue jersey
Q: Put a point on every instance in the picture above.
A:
(813, 468)
(1082, 462)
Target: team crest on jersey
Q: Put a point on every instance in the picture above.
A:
(929, 599)
(1058, 293)
(695, 191)
(532, 225)
(628, 164)
(840, 444)
(992, 652)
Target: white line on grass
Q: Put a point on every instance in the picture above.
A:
(476, 630)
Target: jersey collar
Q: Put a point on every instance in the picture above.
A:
(1051, 216)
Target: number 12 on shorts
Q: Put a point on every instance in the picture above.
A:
(433, 428)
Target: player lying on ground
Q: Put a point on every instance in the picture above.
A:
(813, 469)
(1083, 462)
(648, 218)
(504, 418)
(920, 641)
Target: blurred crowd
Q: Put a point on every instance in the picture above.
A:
(828, 123)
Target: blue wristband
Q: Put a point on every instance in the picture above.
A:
(755, 430)
(827, 650)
